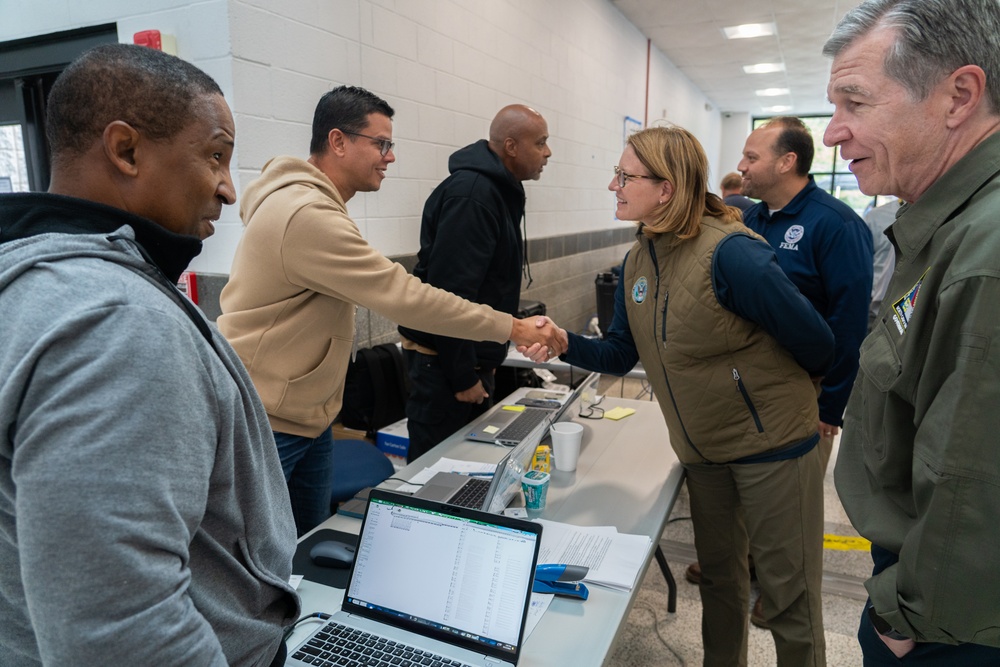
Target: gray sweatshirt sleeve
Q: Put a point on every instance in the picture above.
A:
(114, 447)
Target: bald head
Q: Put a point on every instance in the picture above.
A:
(519, 136)
(512, 121)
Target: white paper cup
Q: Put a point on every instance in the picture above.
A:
(566, 439)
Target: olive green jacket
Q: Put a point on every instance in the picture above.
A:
(919, 465)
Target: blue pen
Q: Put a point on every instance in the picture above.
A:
(479, 474)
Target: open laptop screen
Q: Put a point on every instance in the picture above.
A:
(507, 477)
(454, 574)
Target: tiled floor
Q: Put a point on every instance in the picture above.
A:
(652, 636)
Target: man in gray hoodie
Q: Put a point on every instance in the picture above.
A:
(143, 514)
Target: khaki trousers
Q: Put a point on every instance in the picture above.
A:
(778, 508)
(825, 448)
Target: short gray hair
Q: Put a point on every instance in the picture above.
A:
(935, 38)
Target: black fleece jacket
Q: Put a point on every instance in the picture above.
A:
(470, 245)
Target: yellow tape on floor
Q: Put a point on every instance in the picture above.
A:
(845, 543)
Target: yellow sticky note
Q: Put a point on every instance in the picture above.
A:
(490, 429)
(514, 408)
(618, 413)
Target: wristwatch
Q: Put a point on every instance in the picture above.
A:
(882, 626)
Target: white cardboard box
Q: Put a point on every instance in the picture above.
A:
(394, 441)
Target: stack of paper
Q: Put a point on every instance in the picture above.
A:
(614, 558)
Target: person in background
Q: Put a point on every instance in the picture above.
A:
(732, 192)
(916, 90)
(878, 220)
(143, 515)
(300, 270)
(730, 347)
(821, 244)
(471, 245)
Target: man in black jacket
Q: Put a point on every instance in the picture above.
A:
(471, 245)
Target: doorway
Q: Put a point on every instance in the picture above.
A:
(28, 68)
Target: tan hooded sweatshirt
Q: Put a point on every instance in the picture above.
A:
(300, 270)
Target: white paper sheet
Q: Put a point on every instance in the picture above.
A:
(614, 558)
(539, 603)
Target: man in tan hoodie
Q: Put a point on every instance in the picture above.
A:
(301, 268)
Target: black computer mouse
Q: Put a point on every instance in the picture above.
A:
(332, 553)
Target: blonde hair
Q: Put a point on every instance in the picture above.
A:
(673, 154)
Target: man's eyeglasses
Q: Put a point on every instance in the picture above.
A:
(384, 145)
(623, 177)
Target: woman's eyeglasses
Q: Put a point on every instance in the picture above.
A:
(623, 177)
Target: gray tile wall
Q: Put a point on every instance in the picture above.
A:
(563, 269)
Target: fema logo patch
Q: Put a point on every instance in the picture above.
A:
(793, 235)
(639, 290)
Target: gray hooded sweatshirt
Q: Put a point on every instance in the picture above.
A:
(144, 518)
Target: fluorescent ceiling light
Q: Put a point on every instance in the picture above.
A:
(772, 92)
(781, 108)
(764, 68)
(748, 30)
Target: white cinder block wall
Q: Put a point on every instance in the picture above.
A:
(446, 66)
(736, 127)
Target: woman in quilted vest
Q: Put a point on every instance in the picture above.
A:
(733, 352)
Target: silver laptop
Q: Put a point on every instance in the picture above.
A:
(494, 495)
(509, 427)
(489, 495)
(431, 583)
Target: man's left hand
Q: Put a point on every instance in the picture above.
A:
(474, 394)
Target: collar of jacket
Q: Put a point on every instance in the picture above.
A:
(937, 204)
(795, 206)
(33, 213)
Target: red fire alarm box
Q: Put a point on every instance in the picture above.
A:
(150, 38)
(188, 284)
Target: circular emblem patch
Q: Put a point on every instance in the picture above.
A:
(794, 234)
(639, 290)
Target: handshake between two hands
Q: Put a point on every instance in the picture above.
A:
(539, 338)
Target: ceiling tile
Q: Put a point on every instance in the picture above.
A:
(690, 35)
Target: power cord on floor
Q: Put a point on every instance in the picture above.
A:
(656, 631)
(647, 390)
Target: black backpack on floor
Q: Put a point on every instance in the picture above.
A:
(375, 390)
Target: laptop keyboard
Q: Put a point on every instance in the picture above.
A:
(472, 494)
(335, 645)
(525, 423)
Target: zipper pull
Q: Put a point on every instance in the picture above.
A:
(736, 375)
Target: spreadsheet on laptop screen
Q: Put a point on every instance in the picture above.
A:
(454, 574)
